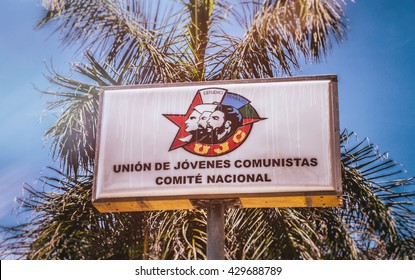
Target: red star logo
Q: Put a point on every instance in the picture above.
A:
(213, 149)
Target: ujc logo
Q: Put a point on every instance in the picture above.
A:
(216, 123)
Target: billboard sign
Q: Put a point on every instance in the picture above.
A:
(265, 142)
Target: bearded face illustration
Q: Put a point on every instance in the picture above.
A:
(216, 120)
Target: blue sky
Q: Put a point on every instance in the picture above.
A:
(375, 66)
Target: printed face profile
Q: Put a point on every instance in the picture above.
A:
(192, 122)
(204, 117)
(222, 123)
(216, 123)
(196, 123)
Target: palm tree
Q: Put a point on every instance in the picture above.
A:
(128, 42)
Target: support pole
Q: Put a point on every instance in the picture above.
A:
(216, 230)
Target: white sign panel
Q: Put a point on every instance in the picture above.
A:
(218, 140)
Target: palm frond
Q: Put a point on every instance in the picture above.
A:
(178, 235)
(76, 230)
(74, 133)
(277, 32)
(119, 31)
(379, 206)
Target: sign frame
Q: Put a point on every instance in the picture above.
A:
(245, 200)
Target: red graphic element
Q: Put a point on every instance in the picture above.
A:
(204, 149)
(214, 150)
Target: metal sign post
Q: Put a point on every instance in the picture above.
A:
(216, 230)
